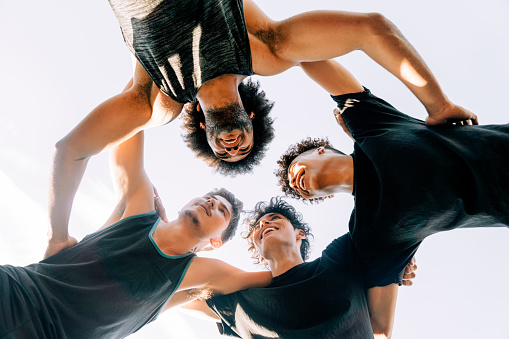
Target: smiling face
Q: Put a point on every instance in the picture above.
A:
(310, 174)
(231, 146)
(229, 132)
(273, 231)
(208, 215)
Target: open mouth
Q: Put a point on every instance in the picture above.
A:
(231, 142)
(267, 231)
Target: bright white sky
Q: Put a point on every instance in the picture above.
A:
(59, 59)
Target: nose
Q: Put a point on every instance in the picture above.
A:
(212, 202)
(263, 222)
(232, 150)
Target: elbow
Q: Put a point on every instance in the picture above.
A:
(378, 25)
(65, 150)
(382, 331)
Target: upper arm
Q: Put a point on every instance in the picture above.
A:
(221, 278)
(332, 77)
(382, 306)
(200, 309)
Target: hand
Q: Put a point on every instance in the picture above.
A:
(159, 206)
(56, 246)
(452, 114)
(341, 122)
(409, 272)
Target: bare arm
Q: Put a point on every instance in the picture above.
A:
(382, 306)
(322, 35)
(221, 278)
(138, 107)
(332, 77)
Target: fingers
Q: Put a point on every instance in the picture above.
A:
(341, 122)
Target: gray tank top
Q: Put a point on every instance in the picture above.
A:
(184, 43)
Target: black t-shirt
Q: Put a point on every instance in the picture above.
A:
(183, 44)
(412, 181)
(325, 298)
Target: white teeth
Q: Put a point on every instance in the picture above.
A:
(267, 230)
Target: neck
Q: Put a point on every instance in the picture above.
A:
(283, 261)
(173, 239)
(220, 91)
(339, 176)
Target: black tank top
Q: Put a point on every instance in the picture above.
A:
(184, 43)
(109, 285)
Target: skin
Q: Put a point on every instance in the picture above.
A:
(321, 172)
(278, 244)
(275, 46)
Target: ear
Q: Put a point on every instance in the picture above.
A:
(251, 115)
(301, 234)
(216, 243)
(202, 125)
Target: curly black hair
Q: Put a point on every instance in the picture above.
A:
(286, 159)
(253, 100)
(280, 206)
(237, 206)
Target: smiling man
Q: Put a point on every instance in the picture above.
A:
(333, 296)
(409, 180)
(190, 52)
(118, 279)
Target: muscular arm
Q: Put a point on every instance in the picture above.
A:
(322, 35)
(138, 107)
(332, 77)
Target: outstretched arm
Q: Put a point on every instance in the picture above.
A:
(111, 123)
(141, 105)
(321, 35)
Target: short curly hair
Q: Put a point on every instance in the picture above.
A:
(237, 206)
(253, 100)
(280, 206)
(286, 159)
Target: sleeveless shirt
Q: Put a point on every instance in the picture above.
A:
(184, 43)
(109, 285)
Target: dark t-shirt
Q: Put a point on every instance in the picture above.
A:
(183, 44)
(109, 285)
(325, 298)
(412, 181)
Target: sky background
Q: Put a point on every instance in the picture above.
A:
(59, 59)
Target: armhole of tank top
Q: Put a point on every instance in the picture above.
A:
(184, 272)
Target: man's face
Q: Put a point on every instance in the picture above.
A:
(231, 146)
(309, 174)
(229, 133)
(210, 215)
(274, 231)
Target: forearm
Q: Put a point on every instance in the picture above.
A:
(322, 35)
(382, 307)
(386, 45)
(332, 77)
(65, 177)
